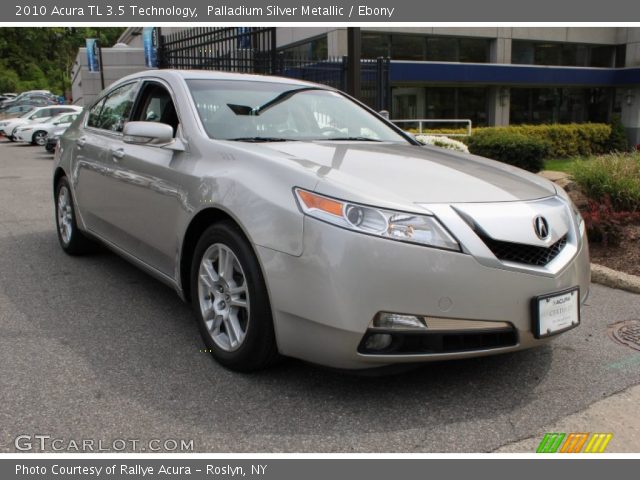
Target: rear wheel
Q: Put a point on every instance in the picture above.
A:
(72, 240)
(39, 138)
(231, 301)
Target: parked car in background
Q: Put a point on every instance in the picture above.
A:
(33, 97)
(31, 93)
(41, 114)
(299, 222)
(36, 100)
(36, 133)
(16, 111)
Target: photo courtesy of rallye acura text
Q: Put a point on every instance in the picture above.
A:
(300, 223)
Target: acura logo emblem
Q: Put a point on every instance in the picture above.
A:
(541, 227)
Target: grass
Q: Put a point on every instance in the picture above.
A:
(615, 176)
(566, 165)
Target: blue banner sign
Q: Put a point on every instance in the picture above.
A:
(92, 55)
(150, 44)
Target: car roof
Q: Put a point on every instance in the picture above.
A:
(169, 74)
(72, 107)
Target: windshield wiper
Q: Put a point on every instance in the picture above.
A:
(260, 139)
(247, 110)
(351, 139)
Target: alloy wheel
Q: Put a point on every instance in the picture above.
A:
(65, 214)
(40, 138)
(223, 297)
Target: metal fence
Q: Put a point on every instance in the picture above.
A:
(253, 50)
(231, 49)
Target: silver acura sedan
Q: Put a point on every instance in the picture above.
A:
(300, 223)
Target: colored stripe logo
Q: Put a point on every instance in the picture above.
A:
(574, 443)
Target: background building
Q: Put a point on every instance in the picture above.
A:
(119, 61)
(498, 76)
(493, 76)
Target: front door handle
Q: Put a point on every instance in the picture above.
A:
(119, 153)
(81, 141)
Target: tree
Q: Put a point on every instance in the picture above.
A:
(41, 58)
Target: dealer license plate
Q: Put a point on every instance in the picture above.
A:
(556, 312)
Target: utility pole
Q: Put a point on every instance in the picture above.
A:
(354, 54)
(98, 44)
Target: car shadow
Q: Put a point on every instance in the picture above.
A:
(143, 346)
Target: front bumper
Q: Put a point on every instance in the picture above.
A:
(23, 136)
(51, 144)
(324, 300)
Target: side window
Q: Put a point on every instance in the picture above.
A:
(116, 109)
(156, 105)
(40, 114)
(94, 114)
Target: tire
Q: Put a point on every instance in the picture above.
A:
(239, 337)
(71, 239)
(39, 138)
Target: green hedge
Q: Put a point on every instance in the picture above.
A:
(512, 147)
(566, 140)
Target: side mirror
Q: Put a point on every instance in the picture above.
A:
(148, 133)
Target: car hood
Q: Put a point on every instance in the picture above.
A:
(18, 121)
(6, 121)
(416, 174)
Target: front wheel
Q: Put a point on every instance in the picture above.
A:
(230, 299)
(39, 138)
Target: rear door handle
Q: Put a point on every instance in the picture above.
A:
(119, 153)
(81, 142)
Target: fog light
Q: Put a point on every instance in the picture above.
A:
(378, 341)
(396, 320)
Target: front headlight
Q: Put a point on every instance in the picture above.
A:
(399, 226)
(576, 213)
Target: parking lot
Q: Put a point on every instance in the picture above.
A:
(93, 348)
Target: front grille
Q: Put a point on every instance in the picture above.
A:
(522, 253)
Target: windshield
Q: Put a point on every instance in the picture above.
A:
(27, 113)
(263, 111)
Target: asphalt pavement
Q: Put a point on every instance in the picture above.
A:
(93, 348)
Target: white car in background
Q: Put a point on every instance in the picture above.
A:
(38, 114)
(36, 133)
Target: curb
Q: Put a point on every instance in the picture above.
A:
(614, 279)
